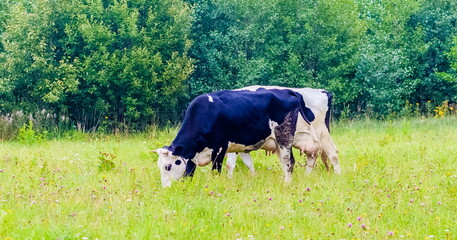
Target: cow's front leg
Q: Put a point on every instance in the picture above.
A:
(217, 157)
(247, 160)
(231, 163)
(190, 169)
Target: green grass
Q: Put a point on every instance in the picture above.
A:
(399, 178)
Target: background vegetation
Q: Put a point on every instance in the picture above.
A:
(123, 65)
(398, 182)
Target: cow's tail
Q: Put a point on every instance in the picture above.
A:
(328, 114)
(307, 115)
(305, 112)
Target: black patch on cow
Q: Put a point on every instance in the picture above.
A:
(168, 167)
(178, 162)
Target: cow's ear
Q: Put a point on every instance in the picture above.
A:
(178, 150)
(162, 151)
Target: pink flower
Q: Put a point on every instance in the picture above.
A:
(349, 224)
(390, 233)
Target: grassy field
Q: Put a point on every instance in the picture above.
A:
(399, 181)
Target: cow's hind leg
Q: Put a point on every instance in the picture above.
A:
(325, 160)
(288, 162)
(284, 134)
(330, 150)
(310, 162)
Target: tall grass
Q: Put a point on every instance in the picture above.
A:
(399, 181)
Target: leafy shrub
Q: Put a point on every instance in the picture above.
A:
(27, 135)
(106, 162)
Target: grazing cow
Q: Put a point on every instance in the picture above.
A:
(244, 120)
(319, 101)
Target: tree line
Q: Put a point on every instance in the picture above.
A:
(127, 64)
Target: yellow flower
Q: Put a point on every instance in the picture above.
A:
(429, 101)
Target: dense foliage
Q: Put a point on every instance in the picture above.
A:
(123, 64)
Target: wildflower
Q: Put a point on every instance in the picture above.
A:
(390, 233)
(308, 189)
(364, 226)
(281, 228)
(359, 219)
(349, 224)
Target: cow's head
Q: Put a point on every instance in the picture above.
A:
(171, 167)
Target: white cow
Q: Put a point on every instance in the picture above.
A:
(309, 139)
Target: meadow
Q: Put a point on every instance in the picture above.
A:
(399, 181)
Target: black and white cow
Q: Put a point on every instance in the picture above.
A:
(243, 119)
(308, 138)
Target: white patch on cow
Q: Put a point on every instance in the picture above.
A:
(203, 158)
(210, 98)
